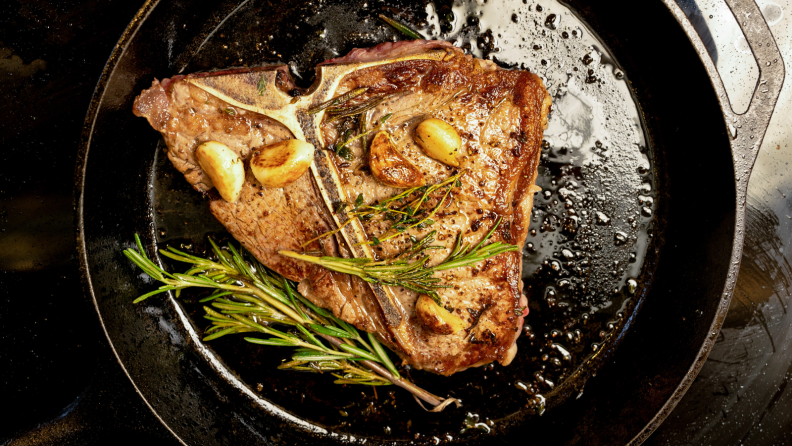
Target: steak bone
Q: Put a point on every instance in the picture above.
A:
(253, 91)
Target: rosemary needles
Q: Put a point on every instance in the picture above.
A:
(414, 275)
(248, 298)
(338, 101)
(407, 31)
(403, 214)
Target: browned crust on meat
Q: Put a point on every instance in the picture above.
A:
(501, 160)
(264, 220)
(500, 116)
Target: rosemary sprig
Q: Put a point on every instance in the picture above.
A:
(414, 275)
(337, 101)
(341, 112)
(401, 28)
(404, 216)
(249, 298)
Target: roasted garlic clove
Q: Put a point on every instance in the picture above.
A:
(224, 168)
(281, 163)
(389, 166)
(439, 140)
(436, 318)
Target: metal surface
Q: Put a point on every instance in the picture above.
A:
(587, 390)
(746, 131)
(742, 393)
(215, 375)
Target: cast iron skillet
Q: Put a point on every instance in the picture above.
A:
(701, 209)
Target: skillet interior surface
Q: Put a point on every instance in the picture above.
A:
(156, 341)
(590, 230)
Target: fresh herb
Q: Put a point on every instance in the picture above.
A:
(341, 112)
(230, 111)
(344, 98)
(414, 275)
(249, 298)
(346, 153)
(261, 87)
(404, 216)
(408, 216)
(339, 109)
(340, 207)
(409, 32)
(348, 139)
(345, 138)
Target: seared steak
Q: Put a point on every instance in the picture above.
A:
(499, 114)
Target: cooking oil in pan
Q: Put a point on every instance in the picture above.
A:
(584, 267)
(591, 223)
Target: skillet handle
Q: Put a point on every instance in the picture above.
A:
(746, 130)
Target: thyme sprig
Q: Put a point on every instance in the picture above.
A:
(414, 275)
(249, 298)
(339, 108)
(408, 219)
(403, 215)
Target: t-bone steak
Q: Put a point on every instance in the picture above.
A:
(500, 116)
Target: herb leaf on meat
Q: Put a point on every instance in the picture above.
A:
(403, 215)
(337, 101)
(414, 275)
(261, 87)
(249, 298)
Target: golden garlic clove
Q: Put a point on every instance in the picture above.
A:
(223, 166)
(389, 166)
(436, 318)
(281, 163)
(439, 140)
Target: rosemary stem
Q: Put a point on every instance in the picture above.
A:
(321, 262)
(427, 397)
(267, 298)
(247, 298)
(401, 28)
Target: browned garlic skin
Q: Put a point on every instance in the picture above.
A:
(224, 167)
(439, 140)
(436, 318)
(389, 166)
(280, 164)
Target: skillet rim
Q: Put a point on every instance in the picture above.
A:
(80, 175)
(741, 184)
(81, 166)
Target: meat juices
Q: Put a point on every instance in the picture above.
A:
(500, 116)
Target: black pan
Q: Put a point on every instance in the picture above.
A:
(231, 394)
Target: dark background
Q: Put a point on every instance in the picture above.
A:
(53, 350)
